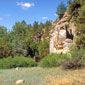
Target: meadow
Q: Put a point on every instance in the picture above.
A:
(42, 76)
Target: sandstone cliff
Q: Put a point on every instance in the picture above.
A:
(62, 36)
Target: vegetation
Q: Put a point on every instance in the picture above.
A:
(41, 76)
(54, 60)
(4, 42)
(61, 10)
(18, 61)
(32, 41)
(73, 60)
(76, 9)
(25, 40)
(77, 59)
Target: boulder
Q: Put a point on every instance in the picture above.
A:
(68, 41)
(60, 46)
(19, 82)
(60, 51)
(16, 68)
(67, 45)
(65, 51)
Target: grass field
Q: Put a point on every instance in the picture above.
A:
(43, 76)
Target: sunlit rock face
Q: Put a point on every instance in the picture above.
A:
(61, 37)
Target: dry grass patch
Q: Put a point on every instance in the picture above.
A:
(58, 81)
(74, 77)
(43, 76)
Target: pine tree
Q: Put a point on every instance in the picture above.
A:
(61, 10)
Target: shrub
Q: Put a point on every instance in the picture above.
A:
(17, 62)
(72, 64)
(77, 61)
(53, 60)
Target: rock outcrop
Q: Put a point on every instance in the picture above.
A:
(61, 37)
(20, 82)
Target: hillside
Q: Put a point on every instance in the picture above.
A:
(69, 30)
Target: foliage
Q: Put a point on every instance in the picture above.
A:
(19, 38)
(43, 48)
(4, 42)
(25, 39)
(72, 64)
(61, 10)
(18, 61)
(54, 60)
(73, 60)
(77, 11)
(77, 60)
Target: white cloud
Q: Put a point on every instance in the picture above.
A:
(25, 4)
(44, 18)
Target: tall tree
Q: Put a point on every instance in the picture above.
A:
(19, 34)
(4, 46)
(61, 10)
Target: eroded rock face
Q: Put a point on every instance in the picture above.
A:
(61, 38)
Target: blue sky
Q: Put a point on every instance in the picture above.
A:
(28, 10)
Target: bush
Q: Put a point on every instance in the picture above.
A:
(53, 60)
(72, 64)
(20, 61)
(77, 61)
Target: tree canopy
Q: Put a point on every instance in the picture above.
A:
(25, 39)
(61, 10)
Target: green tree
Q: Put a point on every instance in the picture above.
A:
(19, 35)
(4, 46)
(43, 48)
(77, 10)
(26, 40)
(61, 10)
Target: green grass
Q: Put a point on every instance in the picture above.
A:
(34, 75)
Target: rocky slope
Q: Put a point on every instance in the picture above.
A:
(62, 36)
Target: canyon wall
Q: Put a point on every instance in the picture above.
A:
(62, 36)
